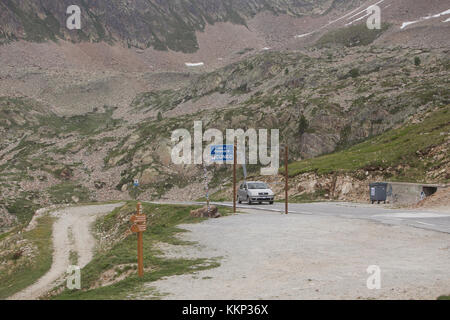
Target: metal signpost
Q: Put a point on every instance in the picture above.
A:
(206, 186)
(226, 152)
(286, 178)
(234, 177)
(139, 226)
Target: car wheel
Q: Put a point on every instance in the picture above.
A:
(271, 202)
(249, 201)
(239, 199)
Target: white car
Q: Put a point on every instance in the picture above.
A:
(255, 191)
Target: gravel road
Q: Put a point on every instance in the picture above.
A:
(70, 232)
(267, 255)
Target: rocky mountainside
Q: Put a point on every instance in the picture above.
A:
(176, 24)
(82, 114)
(169, 24)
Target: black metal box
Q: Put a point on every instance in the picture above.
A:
(378, 192)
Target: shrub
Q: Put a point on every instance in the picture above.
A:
(417, 61)
(354, 73)
(303, 125)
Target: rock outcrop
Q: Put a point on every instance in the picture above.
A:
(213, 212)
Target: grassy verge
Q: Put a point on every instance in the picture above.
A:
(444, 297)
(400, 146)
(306, 197)
(119, 258)
(24, 271)
(219, 196)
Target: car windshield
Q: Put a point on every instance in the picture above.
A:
(258, 185)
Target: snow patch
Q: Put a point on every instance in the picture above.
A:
(198, 64)
(344, 16)
(305, 35)
(356, 20)
(405, 24)
(364, 16)
(365, 10)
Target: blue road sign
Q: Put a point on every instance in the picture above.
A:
(223, 152)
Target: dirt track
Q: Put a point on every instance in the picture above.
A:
(271, 256)
(70, 232)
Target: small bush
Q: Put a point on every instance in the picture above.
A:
(354, 73)
(303, 125)
(417, 61)
(16, 255)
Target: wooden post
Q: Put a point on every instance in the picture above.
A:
(140, 254)
(206, 186)
(139, 226)
(234, 177)
(286, 186)
(140, 246)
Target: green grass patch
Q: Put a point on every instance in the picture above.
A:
(25, 272)
(392, 148)
(162, 221)
(63, 193)
(306, 197)
(23, 208)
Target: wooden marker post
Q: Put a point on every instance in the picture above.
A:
(234, 177)
(139, 226)
(286, 178)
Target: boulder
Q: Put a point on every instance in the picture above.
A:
(114, 161)
(143, 157)
(99, 184)
(204, 213)
(149, 176)
(66, 174)
(164, 152)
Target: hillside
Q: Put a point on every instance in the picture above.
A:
(162, 25)
(82, 116)
(89, 123)
(345, 98)
(417, 151)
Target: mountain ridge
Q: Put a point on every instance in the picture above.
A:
(162, 25)
(81, 120)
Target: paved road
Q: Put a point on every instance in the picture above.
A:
(429, 220)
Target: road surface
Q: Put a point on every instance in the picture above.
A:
(431, 220)
(319, 251)
(423, 219)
